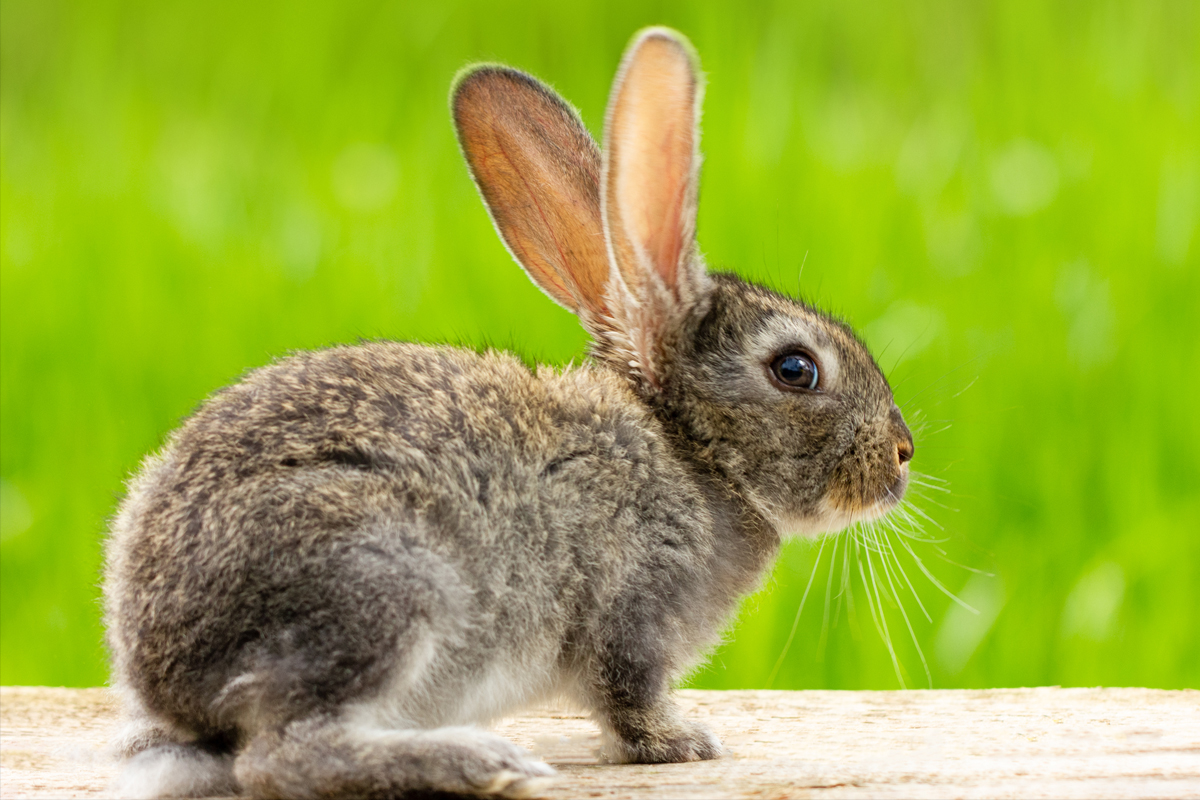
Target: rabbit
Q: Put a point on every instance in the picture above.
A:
(340, 566)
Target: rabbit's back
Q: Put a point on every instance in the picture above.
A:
(310, 520)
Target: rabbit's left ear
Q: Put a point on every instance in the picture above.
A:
(649, 187)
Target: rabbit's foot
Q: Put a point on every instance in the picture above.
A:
(330, 759)
(690, 741)
(489, 765)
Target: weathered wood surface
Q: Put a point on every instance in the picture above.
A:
(996, 743)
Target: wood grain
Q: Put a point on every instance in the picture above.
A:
(1045, 742)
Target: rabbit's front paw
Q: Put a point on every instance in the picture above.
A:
(691, 741)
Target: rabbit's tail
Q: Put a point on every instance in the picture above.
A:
(326, 758)
(177, 770)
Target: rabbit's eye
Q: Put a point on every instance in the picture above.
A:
(795, 371)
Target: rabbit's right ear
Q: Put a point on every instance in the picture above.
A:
(651, 176)
(538, 171)
(652, 137)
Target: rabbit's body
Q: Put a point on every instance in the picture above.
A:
(399, 536)
(438, 534)
(339, 562)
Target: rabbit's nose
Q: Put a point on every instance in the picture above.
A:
(905, 450)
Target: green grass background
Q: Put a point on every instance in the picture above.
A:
(1003, 196)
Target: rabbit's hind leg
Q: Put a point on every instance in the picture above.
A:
(345, 700)
(357, 623)
(161, 762)
(324, 757)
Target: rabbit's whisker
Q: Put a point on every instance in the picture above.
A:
(877, 615)
(796, 622)
(911, 588)
(968, 386)
(837, 540)
(912, 527)
(881, 536)
(930, 500)
(938, 380)
(845, 593)
(916, 479)
(942, 555)
(935, 581)
(910, 507)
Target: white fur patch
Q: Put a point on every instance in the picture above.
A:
(177, 771)
(830, 519)
(505, 687)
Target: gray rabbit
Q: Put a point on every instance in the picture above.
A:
(342, 563)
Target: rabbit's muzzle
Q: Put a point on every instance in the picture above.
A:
(872, 474)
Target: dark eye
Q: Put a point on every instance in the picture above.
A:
(795, 371)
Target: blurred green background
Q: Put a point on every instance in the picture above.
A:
(1003, 197)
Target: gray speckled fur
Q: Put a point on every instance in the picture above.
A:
(343, 556)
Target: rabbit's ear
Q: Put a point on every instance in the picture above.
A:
(538, 171)
(652, 166)
(650, 180)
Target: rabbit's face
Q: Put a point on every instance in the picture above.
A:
(791, 406)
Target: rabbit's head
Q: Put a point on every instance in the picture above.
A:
(779, 399)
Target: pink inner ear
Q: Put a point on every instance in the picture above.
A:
(653, 153)
(539, 173)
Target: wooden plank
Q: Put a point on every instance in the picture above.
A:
(1046, 742)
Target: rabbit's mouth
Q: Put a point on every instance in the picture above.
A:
(834, 515)
(896, 491)
(844, 505)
